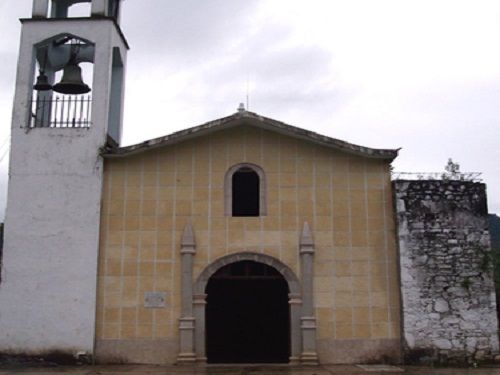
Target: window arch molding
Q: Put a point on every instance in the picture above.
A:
(228, 188)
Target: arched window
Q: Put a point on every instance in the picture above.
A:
(245, 192)
(245, 187)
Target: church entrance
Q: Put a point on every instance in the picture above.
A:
(247, 315)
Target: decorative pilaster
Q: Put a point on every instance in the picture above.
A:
(308, 320)
(295, 302)
(199, 303)
(187, 320)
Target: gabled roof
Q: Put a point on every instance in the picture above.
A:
(247, 118)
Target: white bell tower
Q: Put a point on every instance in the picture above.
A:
(67, 106)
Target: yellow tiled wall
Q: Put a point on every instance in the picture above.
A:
(149, 197)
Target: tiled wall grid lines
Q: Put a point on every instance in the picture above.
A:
(148, 199)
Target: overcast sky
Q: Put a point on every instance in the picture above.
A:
(423, 75)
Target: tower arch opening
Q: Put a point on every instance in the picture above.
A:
(79, 9)
(62, 79)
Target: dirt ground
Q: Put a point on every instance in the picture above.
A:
(245, 370)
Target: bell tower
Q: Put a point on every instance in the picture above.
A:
(67, 107)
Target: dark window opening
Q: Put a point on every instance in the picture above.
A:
(246, 193)
(247, 315)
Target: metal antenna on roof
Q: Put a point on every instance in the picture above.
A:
(248, 94)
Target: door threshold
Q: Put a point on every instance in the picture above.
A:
(263, 364)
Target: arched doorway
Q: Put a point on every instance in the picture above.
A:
(247, 314)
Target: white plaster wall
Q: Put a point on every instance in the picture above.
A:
(48, 288)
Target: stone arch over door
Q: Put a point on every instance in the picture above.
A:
(294, 301)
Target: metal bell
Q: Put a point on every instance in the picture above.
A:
(72, 82)
(42, 83)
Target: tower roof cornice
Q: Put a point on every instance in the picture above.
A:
(79, 19)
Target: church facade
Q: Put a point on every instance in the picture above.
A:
(241, 240)
(323, 219)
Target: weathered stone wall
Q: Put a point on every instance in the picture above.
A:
(446, 275)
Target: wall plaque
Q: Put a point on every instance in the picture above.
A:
(155, 299)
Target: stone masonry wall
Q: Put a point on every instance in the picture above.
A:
(446, 271)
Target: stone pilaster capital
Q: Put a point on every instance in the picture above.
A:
(306, 242)
(188, 244)
(186, 323)
(294, 299)
(306, 250)
(188, 250)
(199, 299)
(308, 322)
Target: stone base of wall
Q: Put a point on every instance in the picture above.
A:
(65, 357)
(137, 351)
(359, 351)
(329, 351)
(434, 356)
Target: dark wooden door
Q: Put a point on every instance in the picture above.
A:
(247, 315)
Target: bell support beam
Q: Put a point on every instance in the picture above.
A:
(187, 320)
(309, 355)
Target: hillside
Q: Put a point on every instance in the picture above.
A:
(495, 231)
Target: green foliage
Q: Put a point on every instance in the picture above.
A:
(452, 171)
(487, 260)
(466, 283)
(495, 260)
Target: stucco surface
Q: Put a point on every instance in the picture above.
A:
(148, 199)
(49, 273)
(338, 351)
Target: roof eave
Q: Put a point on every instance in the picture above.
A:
(253, 119)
